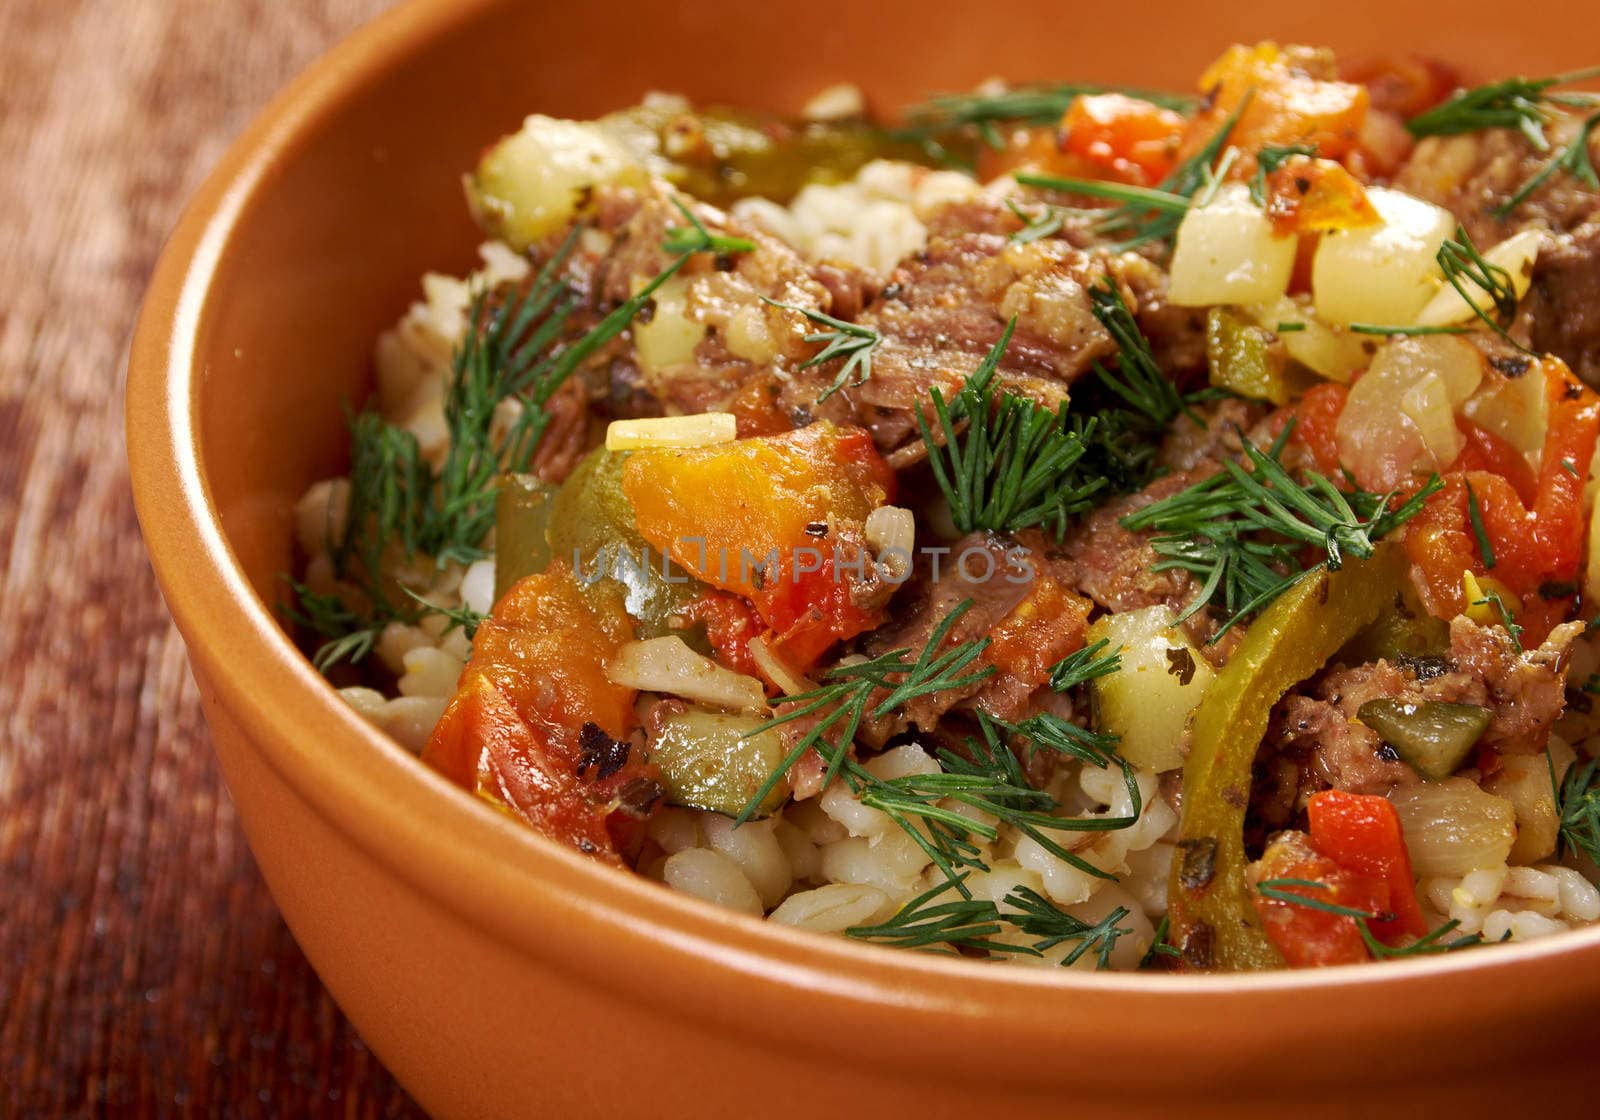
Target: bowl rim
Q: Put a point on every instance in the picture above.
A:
(504, 878)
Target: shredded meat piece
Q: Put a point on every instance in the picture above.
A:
(1526, 692)
(1188, 445)
(566, 437)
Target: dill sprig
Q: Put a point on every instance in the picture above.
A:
(1525, 104)
(1462, 264)
(846, 698)
(398, 502)
(1574, 159)
(986, 777)
(1138, 380)
(929, 921)
(1084, 665)
(1578, 808)
(1047, 224)
(1408, 332)
(1012, 467)
(1429, 943)
(1148, 214)
(1019, 105)
(698, 239)
(1240, 532)
(853, 343)
(1475, 517)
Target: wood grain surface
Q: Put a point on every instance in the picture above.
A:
(143, 968)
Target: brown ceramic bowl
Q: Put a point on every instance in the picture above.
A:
(498, 974)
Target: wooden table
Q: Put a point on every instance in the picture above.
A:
(143, 968)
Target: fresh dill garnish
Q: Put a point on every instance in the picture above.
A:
(698, 239)
(989, 779)
(1577, 798)
(1290, 328)
(401, 507)
(1525, 104)
(1279, 891)
(1084, 666)
(1035, 104)
(1491, 598)
(1138, 379)
(1012, 467)
(963, 922)
(987, 776)
(1148, 214)
(846, 697)
(1463, 265)
(1160, 947)
(1431, 942)
(1241, 532)
(853, 343)
(1409, 332)
(1268, 160)
(1574, 159)
(1475, 516)
(1047, 224)
(1569, 467)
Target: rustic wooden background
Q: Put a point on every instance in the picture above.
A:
(143, 968)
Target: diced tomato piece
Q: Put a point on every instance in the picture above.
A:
(1558, 524)
(1361, 832)
(755, 408)
(730, 623)
(1130, 138)
(1316, 422)
(1486, 451)
(808, 611)
(514, 731)
(1046, 626)
(1316, 196)
(1294, 98)
(1305, 934)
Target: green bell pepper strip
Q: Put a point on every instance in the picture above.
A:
(1213, 918)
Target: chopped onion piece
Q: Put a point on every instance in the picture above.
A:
(1228, 252)
(670, 336)
(669, 665)
(777, 670)
(1382, 274)
(1427, 403)
(1330, 352)
(1453, 827)
(701, 430)
(1515, 254)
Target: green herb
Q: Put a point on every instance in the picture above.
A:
(1280, 890)
(1463, 265)
(1150, 213)
(1084, 666)
(1525, 104)
(1047, 224)
(973, 923)
(1240, 532)
(1380, 328)
(1160, 947)
(1138, 380)
(1020, 105)
(1012, 467)
(1574, 159)
(1268, 160)
(845, 698)
(398, 502)
(698, 239)
(1570, 467)
(1475, 515)
(1429, 943)
(1578, 808)
(1491, 598)
(1290, 328)
(852, 342)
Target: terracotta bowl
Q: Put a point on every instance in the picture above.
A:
(498, 974)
